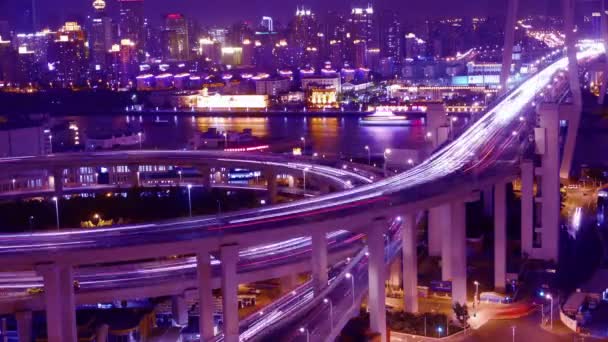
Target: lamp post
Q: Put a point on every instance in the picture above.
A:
(550, 298)
(387, 152)
(51, 143)
(14, 187)
(56, 200)
(305, 331)
(331, 311)
(225, 140)
(303, 140)
(352, 283)
(369, 155)
(513, 333)
(476, 296)
(139, 138)
(189, 200)
(439, 331)
(180, 176)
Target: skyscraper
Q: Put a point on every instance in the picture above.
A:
(304, 31)
(362, 24)
(67, 55)
(100, 36)
(132, 24)
(390, 36)
(175, 42)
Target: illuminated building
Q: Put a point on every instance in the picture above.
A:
(27, 69)
(100, 35)
(267, 23)
(248, 52)
(67, 56)
(272, 86)
(127, 58)
(390, 36)
(232, 56)
(414, 46)
(362, 24)
(37, 42)
(222, 102)
(174, 41)
(7, 58)
(331, 82)
(321, 98)
(131, 23)
(303, 33)
(210, 49)
(359, 54)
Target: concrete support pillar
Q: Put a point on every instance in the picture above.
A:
(410, 264)
(395, 274)
(507, 53)
(134, 175)
(488, 201)
(447, 236)
(527, 206)
(549, 146)
(101, 333)
(435, 221)
(604, 28)
(571, 41)
(59, 300)
(377, 272)
(179, 309)
(205, 296)
(205, 172)
(229, 255)
(572, 114)
(436, 123)
(458, 253)
(58, 181)
(500, 237)
(271, 181)
(289, 282)
(319, 261)
(24, 325)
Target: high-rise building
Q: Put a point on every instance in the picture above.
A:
(174, 40)
(390, 36)
(67, 55)
(304, 35)
(100, 35)
(596, 25)
(132, 23)
(362, 24)
(267, 24)
(7, 60)
(38, 43)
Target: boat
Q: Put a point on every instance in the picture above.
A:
(384, 117)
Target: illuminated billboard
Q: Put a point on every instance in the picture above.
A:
(232, 101)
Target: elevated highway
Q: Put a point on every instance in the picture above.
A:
(487, 153)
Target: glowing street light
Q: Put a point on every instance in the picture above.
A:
(51, 143)
(369, 155)
(304, 173)
(56, 200)
(550, 297)
(303, 140)
(387, 153)
(180, 176)
(139, 138)
(225, 139)
(305, 331)
(352, 283)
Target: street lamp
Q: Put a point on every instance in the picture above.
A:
(352, 283)
(225, 140)
(51, 143)
(550, 297)
(303, 140)
(369, 155)
(439, 331)
(305, 331)
(14, 187)
(56, 200)
(139, 138)
(331, 311)
(387, 153)
(180, 176)
(476, 297)
(189, 200)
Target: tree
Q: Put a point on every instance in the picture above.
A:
(462, 314)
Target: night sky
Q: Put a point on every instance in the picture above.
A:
(223, 12)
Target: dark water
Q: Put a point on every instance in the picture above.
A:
(324, 135)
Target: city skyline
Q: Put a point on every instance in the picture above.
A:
(217, 12)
